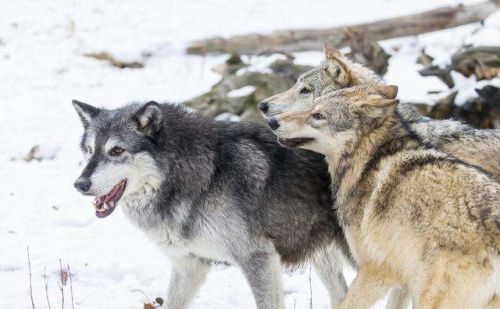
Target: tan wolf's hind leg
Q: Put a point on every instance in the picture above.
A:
(370, 284)
(459, 282)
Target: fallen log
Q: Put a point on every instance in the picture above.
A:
(307, 39)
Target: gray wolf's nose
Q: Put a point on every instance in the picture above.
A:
(263, 106)
(82, 185)
(273, 123)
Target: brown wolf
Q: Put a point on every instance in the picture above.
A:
(477, 147)
(413, 215)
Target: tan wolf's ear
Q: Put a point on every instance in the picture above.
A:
(384, 102)
(377, 107)
(331, 53)
(388, 91)
(336, 66)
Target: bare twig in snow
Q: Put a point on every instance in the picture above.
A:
(310, 290)
(46, 280)
(31, 285)
(61, 283)
(71, 288)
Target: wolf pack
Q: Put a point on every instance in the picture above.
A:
(344, 175)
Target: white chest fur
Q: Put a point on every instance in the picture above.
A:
(168, 234)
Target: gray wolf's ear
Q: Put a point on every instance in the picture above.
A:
(388, 91)
(337, 67)
(149, 118)
(85, 111)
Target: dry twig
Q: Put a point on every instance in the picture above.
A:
(71, 288)
(46, 288)
(62, 283)
(30, 293)
(115, 62)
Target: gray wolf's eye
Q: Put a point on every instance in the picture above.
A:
(89, 149)
(318, 116)
(116, 151)
(305, 90)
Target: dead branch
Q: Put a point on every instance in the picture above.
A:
(307, 39)
(46, 281)
(367, 52)
(31, 285)
(61, 283)
(481, 61)
(32, 154)
(104, 56)
(71, 288)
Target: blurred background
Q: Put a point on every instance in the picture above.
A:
(219, 57)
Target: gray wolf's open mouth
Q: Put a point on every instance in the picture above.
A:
(104, 205)
(294, 142)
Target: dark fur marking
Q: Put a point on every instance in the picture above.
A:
(411, 133)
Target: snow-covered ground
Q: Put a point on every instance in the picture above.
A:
(42, 68)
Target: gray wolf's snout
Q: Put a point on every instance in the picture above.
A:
(273, 123)
(82, 184)
(263, 107)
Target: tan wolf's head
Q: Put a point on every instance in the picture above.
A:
(336, 118)
(335, 72)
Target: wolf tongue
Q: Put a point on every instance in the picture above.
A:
(111, 195)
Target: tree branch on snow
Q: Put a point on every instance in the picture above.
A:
(313, 39)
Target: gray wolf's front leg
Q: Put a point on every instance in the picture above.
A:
(328, 264)
(263, 272)
(188, 274)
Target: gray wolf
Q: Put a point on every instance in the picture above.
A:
(210, 192)
(477, 147)
(413, 215)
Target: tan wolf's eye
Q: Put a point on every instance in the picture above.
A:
(305, 90)
(116, 151)
(318, 116)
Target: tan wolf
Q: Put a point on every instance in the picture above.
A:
(477, 147)
(413, 215)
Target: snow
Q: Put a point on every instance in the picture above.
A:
(227, 117)
(241, 92)
(42, 68)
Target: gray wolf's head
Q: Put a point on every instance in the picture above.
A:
(118, 146)
(336, 118)
(334, 73)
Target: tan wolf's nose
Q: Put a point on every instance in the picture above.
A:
(263, 106)
(273, 123)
